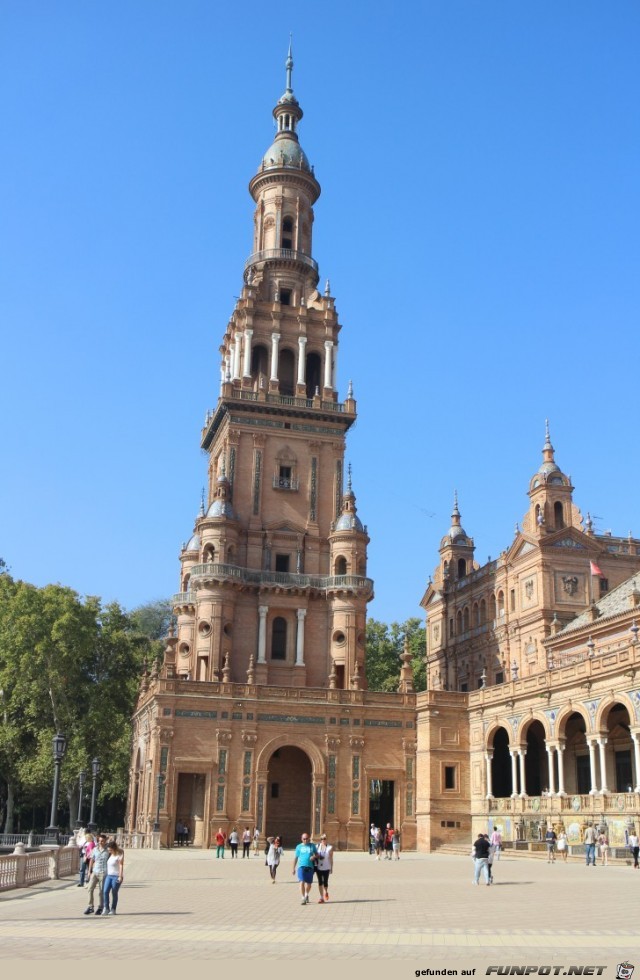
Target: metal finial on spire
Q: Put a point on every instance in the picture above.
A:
(547, 437)
(350, 390)
(455, 503)
(289, 64)
(349, 489)
(327, 288)
(202, 503)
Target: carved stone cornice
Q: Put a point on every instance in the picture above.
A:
(249, 739)
(223, 737)
(333, 743)
(409, 745)
(356, 742)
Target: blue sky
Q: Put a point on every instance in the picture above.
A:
(479, 223)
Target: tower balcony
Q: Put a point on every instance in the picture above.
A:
(212, 573)
(287, 256)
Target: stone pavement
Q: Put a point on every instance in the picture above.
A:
(422, 910)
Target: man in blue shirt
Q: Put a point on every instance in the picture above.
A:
(305, 859)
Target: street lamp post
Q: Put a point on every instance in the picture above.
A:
(59, 744)
(81, 778)
(156, 826)
(95, 772)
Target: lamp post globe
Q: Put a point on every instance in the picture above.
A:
(95, 772)
(82, 775)
(59, 744)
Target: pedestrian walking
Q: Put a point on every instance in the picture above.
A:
(395, 840)
(388, 842)
(589, 839)
(481, 859)
(97, 872)
(305, 861)
(603, 844)
(496, 841)
(378, 843)
(256, 841)
(490, 857)
(85, 858)
(551, 838)
(221, 839)
(234, 840)
(634, 848)
(180, 829)
(324, 867)
(113, 878)
(372, 838)
(274, 857)
(246, 842)
(563, 845)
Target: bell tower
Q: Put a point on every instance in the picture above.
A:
(274, 581)
(551, 495)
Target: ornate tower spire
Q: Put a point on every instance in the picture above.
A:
(289, 66)
(547, 449)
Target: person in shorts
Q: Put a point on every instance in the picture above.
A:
(304, 862)
(324, 868)
(551, 838)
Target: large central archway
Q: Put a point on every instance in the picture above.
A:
(289, 795)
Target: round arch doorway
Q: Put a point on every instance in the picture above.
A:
(289, 795)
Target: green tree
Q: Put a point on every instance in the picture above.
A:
(384, 644)
(66, 664)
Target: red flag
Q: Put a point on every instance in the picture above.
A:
(595, 570)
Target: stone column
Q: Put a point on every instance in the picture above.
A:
(236, 354)
(514, 774)
(552, 775)
(523, 785)
(328, 348)
(603, 764)
(488, 756)
(592, 767)
(300, 613)
(262, 634)
(560, 750)
(246, 371)
(302, 364)
(275, 338)
(636, 756)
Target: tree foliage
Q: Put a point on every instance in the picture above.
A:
(385, 643)
(67, 664)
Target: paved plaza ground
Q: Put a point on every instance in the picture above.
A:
(421, 912)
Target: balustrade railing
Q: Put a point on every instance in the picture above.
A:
(22, 870)
(292, 580)
(281, 254)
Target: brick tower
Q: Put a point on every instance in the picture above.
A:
(260, 715)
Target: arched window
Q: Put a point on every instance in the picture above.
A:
(287, 233)
(279, 639)
(459, 623)
(313, 374)
(476, 614)
(501, 603)
(483, 611)
(259, 367)
(286, 372)
(185, 583)
(466, 619)
(492, 607)
(341, 565)
(462, 568)
(209, 554)
(558, 514)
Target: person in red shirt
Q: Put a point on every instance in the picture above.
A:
(388, 843)
(221, 839)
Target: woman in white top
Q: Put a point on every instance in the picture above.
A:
(113, 878)
(273, 857)
(562, 845)
(324, 867)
